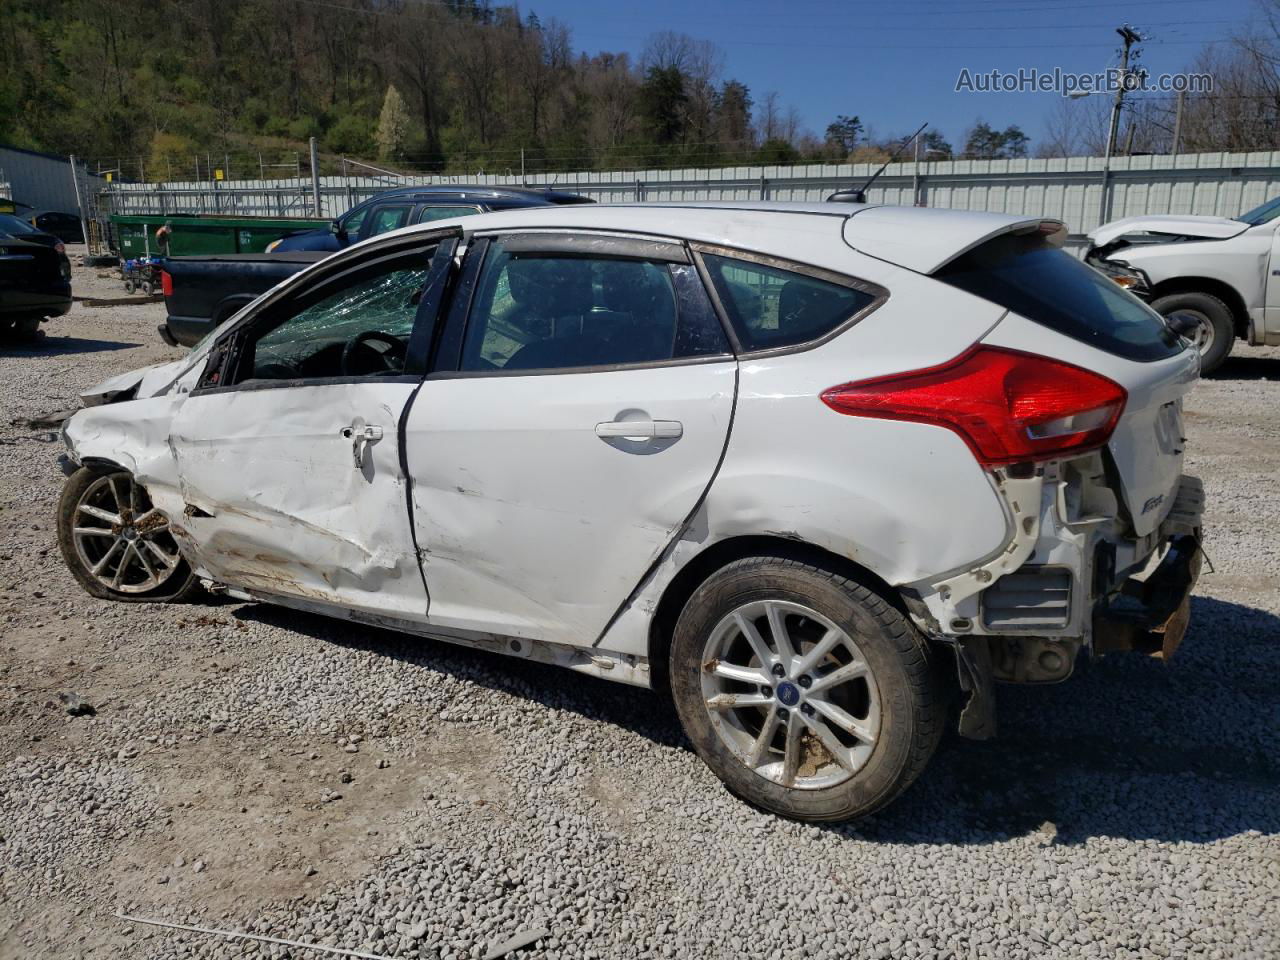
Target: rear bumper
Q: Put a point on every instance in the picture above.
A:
(186, 331)
(1150, 614)
(52, 301)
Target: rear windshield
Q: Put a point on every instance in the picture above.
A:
(1033, 278)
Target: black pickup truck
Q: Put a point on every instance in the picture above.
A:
(201, 292)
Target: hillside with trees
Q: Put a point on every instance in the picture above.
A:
(450, 85)
(158, 90)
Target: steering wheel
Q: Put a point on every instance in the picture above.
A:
(392, 358)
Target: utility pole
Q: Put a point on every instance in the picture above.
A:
(75, 183)
(1130, 37)
(1177, 122)
(315, 178)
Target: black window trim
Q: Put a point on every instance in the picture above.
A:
(600, 244)
(391, 204)
(335, 268)
(875, 290)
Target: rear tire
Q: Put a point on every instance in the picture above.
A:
(129, 286)
(1217, 327)
(853, 692)
(106, 524)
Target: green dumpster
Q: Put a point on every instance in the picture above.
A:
(193, 235)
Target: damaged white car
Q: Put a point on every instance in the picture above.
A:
(812, 468)
(1216, 279)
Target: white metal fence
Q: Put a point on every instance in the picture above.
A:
(1070, 189)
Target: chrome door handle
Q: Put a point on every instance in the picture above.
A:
(640, 429)
(359, 435)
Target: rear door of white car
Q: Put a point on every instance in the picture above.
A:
(579, 406)
(288, 449)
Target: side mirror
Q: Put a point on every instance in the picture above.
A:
(337, 230)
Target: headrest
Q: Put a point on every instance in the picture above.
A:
(551, 287)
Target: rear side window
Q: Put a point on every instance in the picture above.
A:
(771, 307)
(547, 312)
(1036, 280)
(445, 212)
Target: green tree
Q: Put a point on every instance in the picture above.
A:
(393, 126)
(662, 103)
(844, 133)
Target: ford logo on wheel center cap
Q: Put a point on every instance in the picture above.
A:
(788, 694)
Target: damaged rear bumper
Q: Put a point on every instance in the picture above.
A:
(1150, 614)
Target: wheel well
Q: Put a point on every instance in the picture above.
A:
(725, 552)
(1215, 288)
(231, 305)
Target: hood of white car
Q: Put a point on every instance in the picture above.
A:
(1211, 228)
(149, 381)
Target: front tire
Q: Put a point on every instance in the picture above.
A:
(116, 544)
(804, 691)
(1216, 331)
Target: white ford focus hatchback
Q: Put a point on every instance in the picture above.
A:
(823, 471)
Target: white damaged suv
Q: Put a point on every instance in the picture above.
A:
(823, 472)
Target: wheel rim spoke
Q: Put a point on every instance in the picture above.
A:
(729, 671)
(760, 748)
(758, 646)
(839, 752)
(850, 671)
(151, 574)
(736, 701)
(778, 627)
(93, 532)
(791, 753)
(101, 565)
(124, 562)
(100, 514)
(169, 560)
(115, 493)
(844, 720)
(829, 641)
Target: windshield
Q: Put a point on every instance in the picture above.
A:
(1034, 279)
(14, 226)
(1268, 211)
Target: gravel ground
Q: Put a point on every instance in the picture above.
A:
(252, 768)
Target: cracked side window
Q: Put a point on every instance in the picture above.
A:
(359, 327)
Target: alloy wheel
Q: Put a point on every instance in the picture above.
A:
(121, 539)
(790, 694)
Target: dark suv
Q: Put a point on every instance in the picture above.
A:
(400, 208)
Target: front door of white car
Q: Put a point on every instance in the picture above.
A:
(288, 449)
(580, 404)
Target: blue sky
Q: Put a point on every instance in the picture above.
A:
(895, 64)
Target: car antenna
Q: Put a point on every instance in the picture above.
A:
(859, 194)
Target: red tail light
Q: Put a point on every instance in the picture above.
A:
(166, 283)
(1006, 405)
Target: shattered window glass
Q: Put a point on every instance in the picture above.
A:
(360, 330)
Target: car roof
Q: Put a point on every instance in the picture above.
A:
(921, 239)
(464, 191)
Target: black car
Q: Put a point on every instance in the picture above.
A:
(65, 226)
(400, 208)
(35, 283)
(19, 229)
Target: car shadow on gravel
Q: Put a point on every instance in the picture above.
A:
(634, 708)
(55, 346)
(1247, 368)
(1128, 748)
